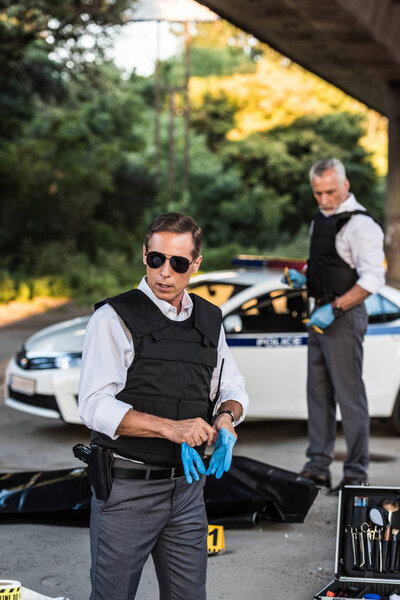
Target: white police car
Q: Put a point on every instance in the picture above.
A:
(264, 329)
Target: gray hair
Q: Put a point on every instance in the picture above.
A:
(319, 168)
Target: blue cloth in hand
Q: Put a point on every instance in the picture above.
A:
(221, 458)
(191, 460)
(322, 318)
(297, 279)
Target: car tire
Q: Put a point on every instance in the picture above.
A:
(394, 420)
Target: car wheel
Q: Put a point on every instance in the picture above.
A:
(394, 420)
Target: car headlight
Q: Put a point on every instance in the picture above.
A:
(62, 361)
(68, 362)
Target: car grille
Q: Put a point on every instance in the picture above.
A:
(38, 400)
(40, 362)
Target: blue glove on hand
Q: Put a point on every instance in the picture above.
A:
(221, 458)
(294, 278)
(322, 318)
(190, 460)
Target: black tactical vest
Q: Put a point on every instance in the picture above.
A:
(328, 275)
(171, 372)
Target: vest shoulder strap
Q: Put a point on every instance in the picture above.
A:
(207, 318)
(138, 312)
(143, 317)
(343, 218)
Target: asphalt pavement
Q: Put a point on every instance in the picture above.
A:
(272, 561)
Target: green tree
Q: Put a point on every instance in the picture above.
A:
(280, 159)
(31, 37)
(215, 117)
(59, 179)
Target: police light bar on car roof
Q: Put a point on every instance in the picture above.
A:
(248, 260)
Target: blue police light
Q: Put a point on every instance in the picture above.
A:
(261, 262)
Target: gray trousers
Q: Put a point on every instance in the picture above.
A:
(335, 376)
(164, 518)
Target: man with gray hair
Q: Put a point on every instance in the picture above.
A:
(345, 266)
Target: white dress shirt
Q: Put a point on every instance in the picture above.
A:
(360, 244)
(108, 352)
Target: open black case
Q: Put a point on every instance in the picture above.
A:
(367, 558)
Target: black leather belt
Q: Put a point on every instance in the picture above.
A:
(147, 473)
(322, 301)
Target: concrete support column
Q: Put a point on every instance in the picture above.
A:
(393, 188)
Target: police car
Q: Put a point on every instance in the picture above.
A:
(263, 320)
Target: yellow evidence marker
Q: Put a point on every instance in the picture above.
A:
(215, 539)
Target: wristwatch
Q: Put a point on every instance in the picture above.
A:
(337, 310)
(228, 412)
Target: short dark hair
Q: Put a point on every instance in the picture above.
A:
(176, 223)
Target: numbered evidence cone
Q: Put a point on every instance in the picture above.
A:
(215, 539)
(10, 589)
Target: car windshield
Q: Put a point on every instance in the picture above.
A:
(380, 309)
(279, 311)
(216, 292)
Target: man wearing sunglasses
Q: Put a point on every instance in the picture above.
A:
(151, 369)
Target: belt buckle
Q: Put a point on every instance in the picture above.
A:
(172, 476)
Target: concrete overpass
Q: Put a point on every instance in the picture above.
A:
(353, 44)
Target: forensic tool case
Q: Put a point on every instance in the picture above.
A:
(367, 555)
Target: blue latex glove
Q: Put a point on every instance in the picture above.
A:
(322, 318)
(191, 460)
(294, 278)
(221, 458)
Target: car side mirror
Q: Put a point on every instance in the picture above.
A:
(233, 324)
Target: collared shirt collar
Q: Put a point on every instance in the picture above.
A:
(348, 205)
(166, 307)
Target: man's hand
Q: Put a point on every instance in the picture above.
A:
(221, 458)
(224, 421)
(322, 318)
(294, 278)
(193, 432)
(191, 463)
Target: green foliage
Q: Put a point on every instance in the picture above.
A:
(24, 292)
(28, 35)
(280, 159)
(23, 289)
(78, 175)
(52, 286)
(220, 61)
(215, 117)
(77, 153)
(7, 287)
(110, 274)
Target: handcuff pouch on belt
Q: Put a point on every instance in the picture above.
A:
(99, 463)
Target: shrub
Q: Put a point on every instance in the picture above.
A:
(7, 287)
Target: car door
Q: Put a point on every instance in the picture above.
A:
(269, 343)
(381, 367)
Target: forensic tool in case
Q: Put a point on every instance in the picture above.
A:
(367, 560)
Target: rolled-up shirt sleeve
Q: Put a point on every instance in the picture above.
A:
(232, 382)
(107, 354)
(368, 255)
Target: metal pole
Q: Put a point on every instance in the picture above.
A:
(186, 162)
(393, 188)
(157, 107)
(171, 162)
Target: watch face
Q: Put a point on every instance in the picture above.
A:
(338, 311)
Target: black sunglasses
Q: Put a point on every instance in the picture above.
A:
(180, 264)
